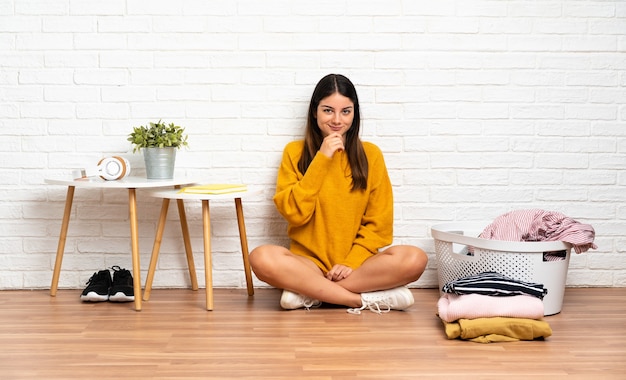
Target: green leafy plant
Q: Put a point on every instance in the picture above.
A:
(157, 135)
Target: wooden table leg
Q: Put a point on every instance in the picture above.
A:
(69, 198)
(244, 246)
(134, 239)
(156, 247)
(187, 240)
(208, 267)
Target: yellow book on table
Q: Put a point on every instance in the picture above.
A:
(217, 188)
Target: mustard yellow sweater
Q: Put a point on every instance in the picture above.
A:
(328, 222)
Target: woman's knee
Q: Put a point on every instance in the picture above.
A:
(414, 261)
(259, 257)
(268, 260)
(421, 260)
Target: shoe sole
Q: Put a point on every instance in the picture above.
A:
(94, 297)
(121, 297)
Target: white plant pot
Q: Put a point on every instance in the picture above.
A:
(160, 162)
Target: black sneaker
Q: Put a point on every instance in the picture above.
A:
(97, 289)
(122, 289)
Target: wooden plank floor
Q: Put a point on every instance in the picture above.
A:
(173, 337)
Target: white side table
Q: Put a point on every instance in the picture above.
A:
(167, 195)
(130, 183)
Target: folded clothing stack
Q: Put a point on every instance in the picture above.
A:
(491, 307)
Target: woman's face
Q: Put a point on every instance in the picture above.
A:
(335, 114)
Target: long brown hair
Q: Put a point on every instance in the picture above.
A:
(330, 84)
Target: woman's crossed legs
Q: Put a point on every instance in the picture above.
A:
(394, 267)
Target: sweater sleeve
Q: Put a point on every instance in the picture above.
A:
(296, 194)
(376, 230)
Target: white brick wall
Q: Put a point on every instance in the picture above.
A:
(480, 106)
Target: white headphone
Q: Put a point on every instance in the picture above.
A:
(113, 168)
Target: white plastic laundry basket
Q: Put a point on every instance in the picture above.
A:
(525, 261)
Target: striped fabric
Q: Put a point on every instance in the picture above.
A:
(555, 256)
(494, 284)
(541, 225)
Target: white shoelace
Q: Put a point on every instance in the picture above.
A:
(309, 303)
(374, 306)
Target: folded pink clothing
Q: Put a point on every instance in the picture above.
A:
(452, 307)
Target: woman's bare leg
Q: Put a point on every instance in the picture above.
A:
(395, 266)
(280, 268)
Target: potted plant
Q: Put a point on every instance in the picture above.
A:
(159, 143)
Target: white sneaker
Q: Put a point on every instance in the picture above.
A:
(290, 301)
(383, 301)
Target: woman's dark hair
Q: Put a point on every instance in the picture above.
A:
(327, 86)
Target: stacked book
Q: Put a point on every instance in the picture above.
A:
(223, 188)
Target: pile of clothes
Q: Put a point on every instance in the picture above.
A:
(541, 225)
(490, 307)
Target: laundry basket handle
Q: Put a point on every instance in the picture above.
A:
(454, 233)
